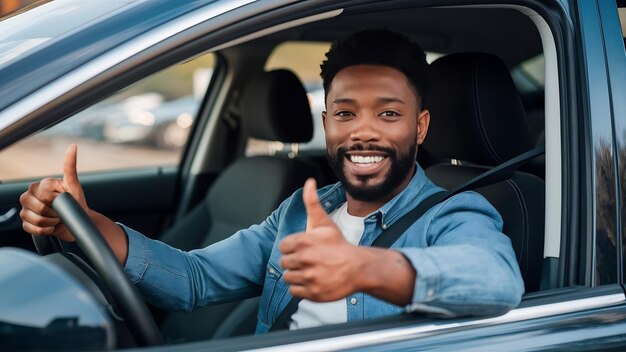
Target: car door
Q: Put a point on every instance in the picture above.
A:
(584, 307)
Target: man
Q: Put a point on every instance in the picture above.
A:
(452, 261)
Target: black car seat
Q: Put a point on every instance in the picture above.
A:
(274, 107)
(477, 119)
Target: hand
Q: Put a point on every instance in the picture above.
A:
(319, 263)
(38, 218)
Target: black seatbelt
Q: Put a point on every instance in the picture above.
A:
(499, 173)
(389, 236)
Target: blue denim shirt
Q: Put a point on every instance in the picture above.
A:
(464, 264)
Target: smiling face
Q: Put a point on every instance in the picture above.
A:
(373, 125)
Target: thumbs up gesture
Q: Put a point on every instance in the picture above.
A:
(319, 263)
(38, 218)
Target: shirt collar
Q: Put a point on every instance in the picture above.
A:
(334, 195)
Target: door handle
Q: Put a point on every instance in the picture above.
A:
(6, 217)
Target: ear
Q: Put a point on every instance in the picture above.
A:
(423, 121)
(324, 120)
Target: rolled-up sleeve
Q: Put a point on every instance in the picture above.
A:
(178, 280)
(468, 266)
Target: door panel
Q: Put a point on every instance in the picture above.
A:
(141, 199)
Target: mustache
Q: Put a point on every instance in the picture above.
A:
(342, 151)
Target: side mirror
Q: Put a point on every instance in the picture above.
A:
(46, 307)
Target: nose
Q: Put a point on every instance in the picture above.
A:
(365, 130)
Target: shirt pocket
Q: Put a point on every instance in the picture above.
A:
(274, 289)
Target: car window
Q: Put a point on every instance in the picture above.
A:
(145, 124)
(303, 59)
(529, 76)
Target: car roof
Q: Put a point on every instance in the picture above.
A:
(79, 45)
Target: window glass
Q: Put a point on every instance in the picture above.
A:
(146, 124)
(303, 59)
(530, 76)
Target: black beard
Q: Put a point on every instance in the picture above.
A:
(401, 165)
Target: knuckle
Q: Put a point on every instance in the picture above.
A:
(33, 187)
(37, 221)
(315, 291)
(284, 245)
(302, 241)
(38, 208)
(309, 276)
(45, 183)
(308, 257)
(296, 291)
(24, 215)
(33, 230)
(24, 198)
(47, 186)
(288, 276)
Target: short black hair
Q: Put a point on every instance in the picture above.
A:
(378, 47)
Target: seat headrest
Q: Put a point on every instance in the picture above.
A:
(275, 107)
(476, 112)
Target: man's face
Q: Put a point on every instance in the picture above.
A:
(373, 126)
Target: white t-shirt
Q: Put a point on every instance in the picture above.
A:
(310, 314)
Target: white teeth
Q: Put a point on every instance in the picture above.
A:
(357, 159)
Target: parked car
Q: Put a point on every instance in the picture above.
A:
(63, 56)
(165, 125)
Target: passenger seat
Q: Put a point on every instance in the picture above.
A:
(274, 107)
(477, 119)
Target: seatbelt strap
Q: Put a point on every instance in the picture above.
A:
(389, 236)
(499, 173)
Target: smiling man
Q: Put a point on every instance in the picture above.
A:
(453, 261)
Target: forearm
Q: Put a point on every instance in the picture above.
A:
(176, 280)
(387, 275)
(465, 279)
(113, 234)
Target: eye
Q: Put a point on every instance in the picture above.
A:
(389, 114)
(343, 114)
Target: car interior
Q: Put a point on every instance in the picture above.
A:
(486, 108)
(480, 118)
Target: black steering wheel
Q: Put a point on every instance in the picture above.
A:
(90, 241)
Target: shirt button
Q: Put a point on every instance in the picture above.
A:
(384, 226)
(327, 204)
(353, 300)
(272, 271)
(430, 292)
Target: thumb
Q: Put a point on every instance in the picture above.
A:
(70, 175)
(316, 215)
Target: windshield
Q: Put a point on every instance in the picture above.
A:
(40, 26)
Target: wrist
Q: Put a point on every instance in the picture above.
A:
(113, 234)
(368, 278)
(387, 274)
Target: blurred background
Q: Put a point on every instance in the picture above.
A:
(148, 123)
